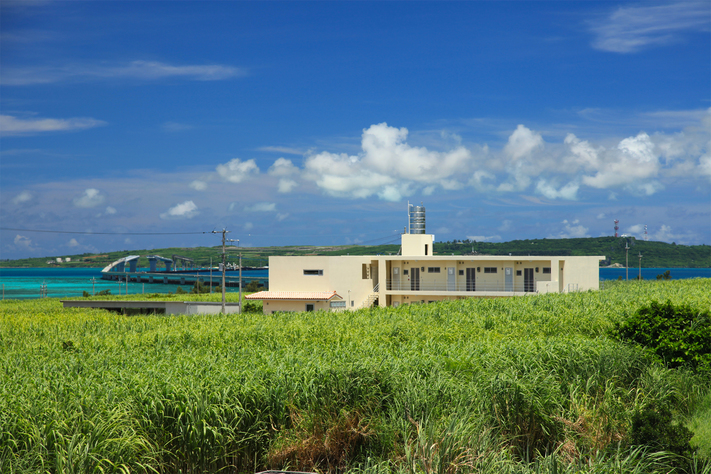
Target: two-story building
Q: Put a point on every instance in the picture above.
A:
(416, 275)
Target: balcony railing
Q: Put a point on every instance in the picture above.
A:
(516, 287)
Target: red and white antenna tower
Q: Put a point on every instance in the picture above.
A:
(617, 227)
(646, 237)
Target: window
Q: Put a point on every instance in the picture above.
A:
(433, 269)
(546, 269)
(309, 307)
(518, 273)
(338, 304)
(406, 272)
(490, 269)
(461, 272)
(313, 272)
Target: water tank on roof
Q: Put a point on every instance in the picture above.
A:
(417, 219)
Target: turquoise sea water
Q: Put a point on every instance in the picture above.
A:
(24, 283)
(651, 273)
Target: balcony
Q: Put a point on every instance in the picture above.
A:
(469, 288)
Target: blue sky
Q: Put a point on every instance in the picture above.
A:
(315, 123)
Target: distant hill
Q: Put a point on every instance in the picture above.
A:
(654, 254)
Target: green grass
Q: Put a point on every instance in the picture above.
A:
(530, 384)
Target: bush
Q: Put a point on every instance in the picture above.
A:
(678, 335)
(253, 286)
(653, 427)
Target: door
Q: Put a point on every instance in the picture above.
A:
(528, 280)
(471, 279)
(451, 279)
(396, 278)
(415, 279)
(508, 279)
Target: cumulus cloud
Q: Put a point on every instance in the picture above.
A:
(387, 167)
(569, 191)
(198, 185)
(280, 217)
(110, 210)
(184, 210)
(24, 196)
(284, 169)
(91, 198)
(571, 230)
(72, 243)
(10, 125)
(634, 159)
(261, 207)
(236, 170)
(631, 29)
(22, 241)
(286, 185)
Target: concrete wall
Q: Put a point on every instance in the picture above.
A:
(417, 245)
(273, 306)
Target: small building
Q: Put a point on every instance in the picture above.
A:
(416, 275)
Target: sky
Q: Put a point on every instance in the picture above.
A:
(140, 125)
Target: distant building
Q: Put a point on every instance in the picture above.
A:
(415, 276)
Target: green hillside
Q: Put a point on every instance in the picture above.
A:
(654, 254)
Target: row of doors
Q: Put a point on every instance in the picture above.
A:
(470, 279)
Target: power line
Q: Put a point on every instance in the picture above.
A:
(101, 233)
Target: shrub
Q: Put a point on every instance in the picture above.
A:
(678, 335)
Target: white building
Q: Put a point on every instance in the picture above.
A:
(417, 275)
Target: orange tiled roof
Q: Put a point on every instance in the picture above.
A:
(294, 295)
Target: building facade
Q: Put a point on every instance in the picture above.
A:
(417, 275)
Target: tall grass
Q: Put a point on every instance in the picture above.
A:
(528, 384)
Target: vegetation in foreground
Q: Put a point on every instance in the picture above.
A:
(523, 385)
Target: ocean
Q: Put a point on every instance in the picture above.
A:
(24, 283)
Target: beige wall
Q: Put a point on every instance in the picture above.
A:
(417, 245)
(342, 274)
(354, 277)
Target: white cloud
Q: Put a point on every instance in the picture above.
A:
(236, 170)
(634, 160)
(569, 191)
(281, 149)
(261, 207)
(176, 127)
(522, 143)
(110, 210)
(10, 125)
(282, 168)
(631, 29)
(198, 185)
(571, 230)
(137, 70)
(286, 185)
(601, 215)
(22, 241)
(91, 198)
(506, 225)
(24, 196)
(248, 226)
(185, 210)
(387, 167)
(72, 243)
(280, 217)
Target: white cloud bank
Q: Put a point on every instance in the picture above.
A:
(391, 169)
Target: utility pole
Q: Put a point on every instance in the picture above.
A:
(627, 263)
(224, 256)
(640, 266)
(240, 280)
